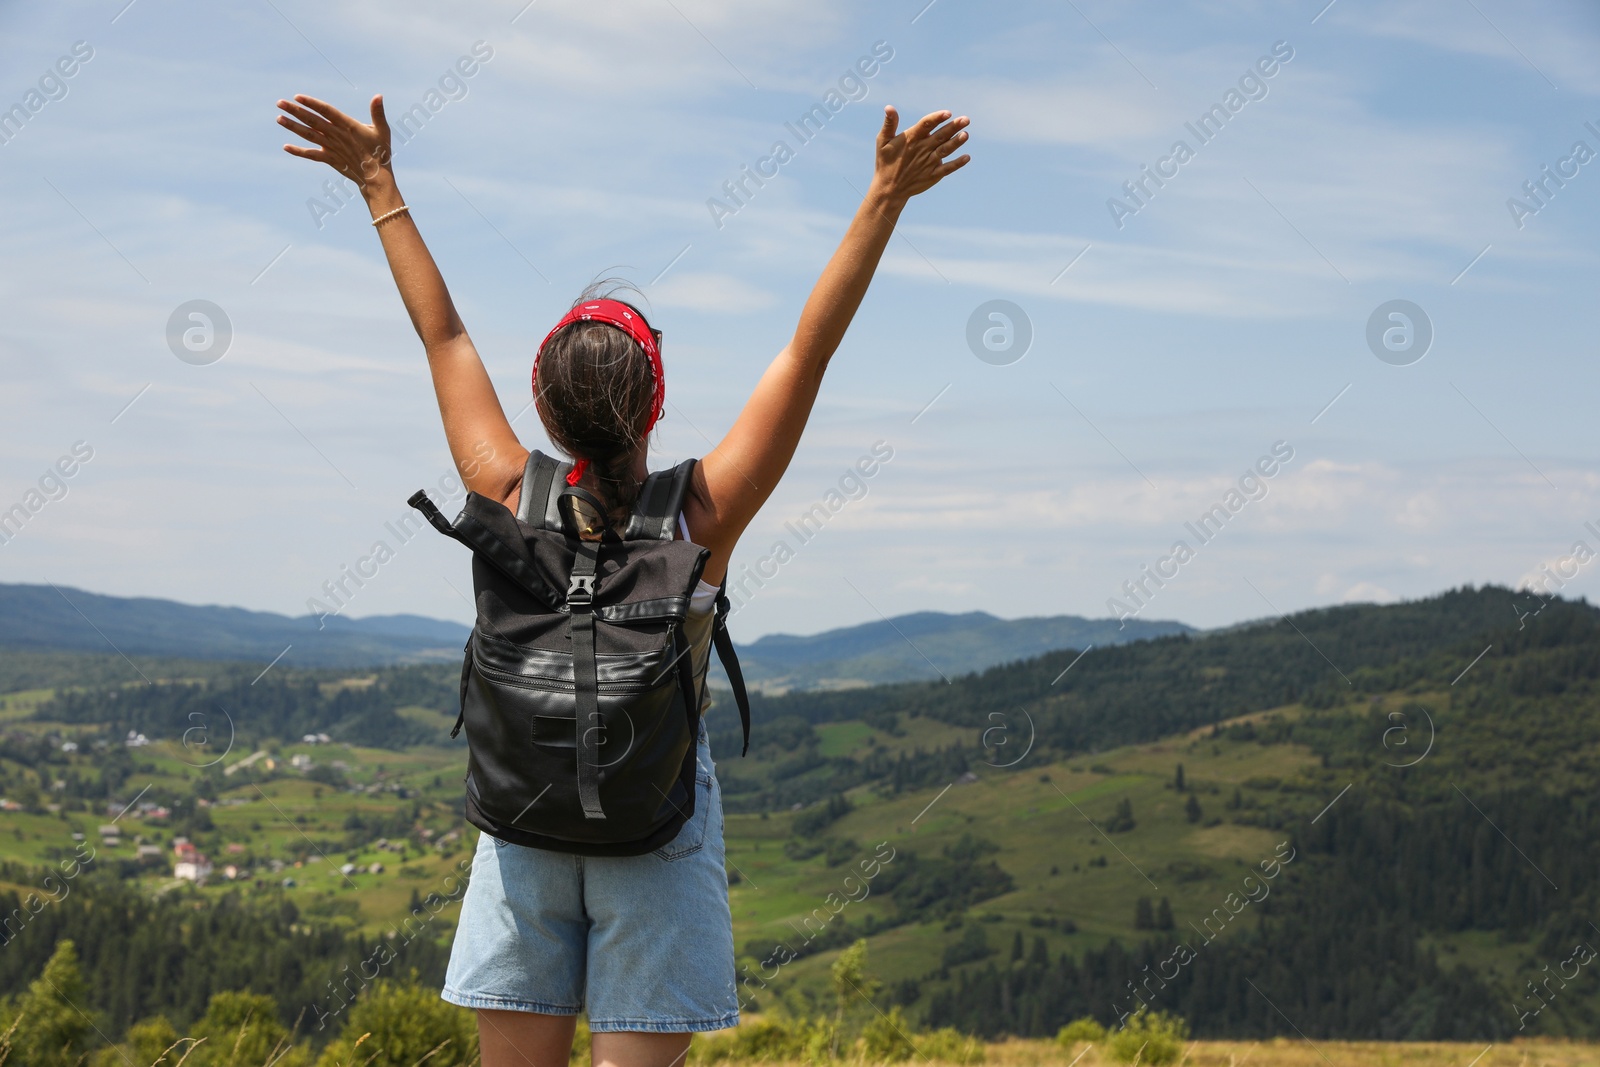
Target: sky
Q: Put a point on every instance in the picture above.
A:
(1175, 322)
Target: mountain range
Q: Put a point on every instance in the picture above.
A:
(921, 646)
(46, 618)
(924, 646)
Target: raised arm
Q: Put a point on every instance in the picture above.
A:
(487, 454)
(736, 477)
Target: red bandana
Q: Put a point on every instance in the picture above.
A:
(613, 313)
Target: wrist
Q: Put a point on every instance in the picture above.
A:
(381, 192)
(885, 201)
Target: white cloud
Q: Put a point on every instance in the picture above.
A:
(720, 294)
(1557, 44)
(1367, 593)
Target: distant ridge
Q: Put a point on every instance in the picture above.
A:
(915, 647)
(923, 646)
(40, 618)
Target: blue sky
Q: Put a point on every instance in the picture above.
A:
(1169, 354)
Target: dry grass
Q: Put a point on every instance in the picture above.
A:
(1281, 1052)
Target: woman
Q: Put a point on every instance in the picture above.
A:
(644, 943)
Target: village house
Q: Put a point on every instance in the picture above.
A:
(190, 865)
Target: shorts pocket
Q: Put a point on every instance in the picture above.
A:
(692, 836)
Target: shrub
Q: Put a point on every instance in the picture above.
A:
(237, 1029)
(884, 1039)
(841, 850)
(582, 1041)
(946, 1045)
(973, 945)
(149, 1039)
(797, 849)
(1080, 1030)
(398, 1024)
(819, 817)
(767, 1041)
(1149, 1037)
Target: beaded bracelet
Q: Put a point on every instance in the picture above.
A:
(401, 210)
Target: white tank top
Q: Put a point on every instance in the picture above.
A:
(698, 626)
(704, 597)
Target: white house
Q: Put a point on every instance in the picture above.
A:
(191, 865)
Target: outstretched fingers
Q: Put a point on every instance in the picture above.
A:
(299, 130)
(926, 124)
(310, 125)
(950, 144)
(316, 155)
(949, 130)
(326, 112)
(310, 117)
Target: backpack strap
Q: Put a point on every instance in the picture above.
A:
(655, 514)
(586, 684)
(656, 517)
(730, 661)
(543, 479)
(691, 697)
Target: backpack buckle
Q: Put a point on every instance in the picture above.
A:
(580, 588)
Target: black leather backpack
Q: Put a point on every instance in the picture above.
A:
(577, 687)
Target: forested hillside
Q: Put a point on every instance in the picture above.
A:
(921, 645)
(1361, 821)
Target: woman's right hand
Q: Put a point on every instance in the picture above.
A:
(913, 162)
(358, 151)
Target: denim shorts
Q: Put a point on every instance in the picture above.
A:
(639, 942)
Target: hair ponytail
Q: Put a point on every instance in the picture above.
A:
(595, 394)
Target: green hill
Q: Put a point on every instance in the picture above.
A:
(924, 645)
(42, 619)
(1360, 822)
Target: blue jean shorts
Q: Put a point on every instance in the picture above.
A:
(642, 943)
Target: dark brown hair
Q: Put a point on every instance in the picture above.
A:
(594, 394)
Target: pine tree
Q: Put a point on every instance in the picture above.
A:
(1122, 821)
(1191, 808)
(1164, 915)
(1177, 779)
(1143, 916)
(849, 978)
(54, 1030)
